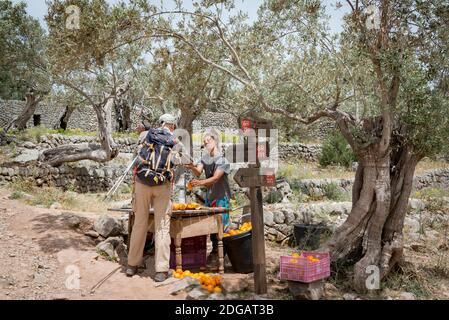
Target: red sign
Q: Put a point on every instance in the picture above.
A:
(246, 124)
(270, 180)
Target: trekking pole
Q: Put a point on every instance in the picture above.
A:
(120, 180)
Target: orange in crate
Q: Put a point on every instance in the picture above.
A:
(308, 267)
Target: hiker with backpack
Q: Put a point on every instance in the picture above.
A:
(152, 189)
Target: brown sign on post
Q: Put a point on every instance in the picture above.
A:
(254, 177)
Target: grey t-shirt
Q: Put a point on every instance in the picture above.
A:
(210, 164)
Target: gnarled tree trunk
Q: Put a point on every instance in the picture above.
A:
(372, 234)
(123, 115)
(65, 117)
(20, 123)
(103, 152)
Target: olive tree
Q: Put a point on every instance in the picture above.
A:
(383, 81)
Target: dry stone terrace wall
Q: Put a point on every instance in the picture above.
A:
(81, 179)
(49, 114)
(299, 151)
(126, 145)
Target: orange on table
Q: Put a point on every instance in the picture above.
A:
(189, 186)
(193, 206)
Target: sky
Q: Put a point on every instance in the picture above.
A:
(38, 9)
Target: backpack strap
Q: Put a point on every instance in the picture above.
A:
(169, 158)
(159, 158)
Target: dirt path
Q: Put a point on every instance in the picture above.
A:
(41, 257)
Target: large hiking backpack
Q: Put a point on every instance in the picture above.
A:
(155, 158)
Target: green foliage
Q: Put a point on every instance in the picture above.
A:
(336, 151)
(16, 195)
(334, 192)
(22, 50)
(133, 135)
(286, 171)
(424, 113)
(35, 133)
(238, 200)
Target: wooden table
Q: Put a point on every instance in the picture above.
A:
(189, 223)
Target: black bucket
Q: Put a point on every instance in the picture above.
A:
(239, 250)
(308, 235)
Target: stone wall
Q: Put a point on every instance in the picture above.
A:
(439, 177)
(78, 178)
(218, 120)
(83, 118)
(127, 145)
(299, 151)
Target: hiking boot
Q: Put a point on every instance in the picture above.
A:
(131, 271)
(160, 276)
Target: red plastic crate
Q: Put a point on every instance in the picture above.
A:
(193, 252)
(303, 270)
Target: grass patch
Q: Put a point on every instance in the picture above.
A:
(431, 192)
(430, 164)
(299, 170)
(409, 280)
(225, 137)
(433, 198)
(16, 195)
(36, 133)
(133, 135)
(68, 200)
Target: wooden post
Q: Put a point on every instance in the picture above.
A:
(252, 178)
(258, 241)
(258, 234)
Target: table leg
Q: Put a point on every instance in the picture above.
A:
(220, 244)
(178, 241)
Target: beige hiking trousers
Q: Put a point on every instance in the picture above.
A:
(158, 198)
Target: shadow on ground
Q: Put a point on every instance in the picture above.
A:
(59, 232)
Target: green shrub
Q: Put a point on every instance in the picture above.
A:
(334, 192)
(286, 171)
(336, 151)
(16, 195)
